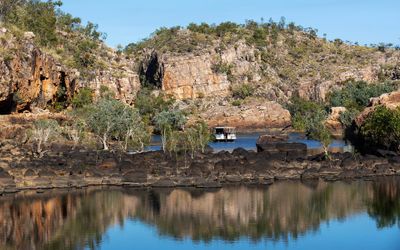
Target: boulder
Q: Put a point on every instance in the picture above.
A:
(388, 100)
(333, 122)
(285, 150)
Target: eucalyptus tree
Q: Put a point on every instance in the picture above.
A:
(167, 122)
(110, 119)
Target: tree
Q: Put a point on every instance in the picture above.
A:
(131, 130)
(38, 17)
(111, 119)
(167, 122)
(43, 130)
(76, 130)
(196, 138)
(310, 118)
(7, 6)
(382, 128)
(306, 114)
(320, 133)
(149, 105)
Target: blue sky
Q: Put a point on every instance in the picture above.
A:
(125, 21)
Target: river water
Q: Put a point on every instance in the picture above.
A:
(286, 215)
(248, 142)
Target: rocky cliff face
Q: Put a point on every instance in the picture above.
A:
(31, 78)
(388, 100)
(28, 77)
(310, 68)
(294, 65)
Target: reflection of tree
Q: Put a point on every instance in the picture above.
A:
(79, 220)
(282, 210)
(384, 207)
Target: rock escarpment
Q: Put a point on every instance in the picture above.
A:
(202, 69)
(295, 64)
(31, 78)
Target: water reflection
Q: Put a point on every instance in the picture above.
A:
(283, 211)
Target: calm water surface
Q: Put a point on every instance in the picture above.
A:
(286, 215)
(248, 142)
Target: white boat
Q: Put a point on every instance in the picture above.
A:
(224, 134)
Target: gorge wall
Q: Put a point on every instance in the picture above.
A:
(203, 75)
(32, 79)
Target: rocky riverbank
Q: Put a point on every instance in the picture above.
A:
(62, 167)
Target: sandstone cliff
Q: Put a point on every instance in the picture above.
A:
(31, 78)
(294, 64)
(200, 69)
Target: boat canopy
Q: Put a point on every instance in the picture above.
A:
(221, 130)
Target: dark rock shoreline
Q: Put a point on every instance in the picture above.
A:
(62, 167)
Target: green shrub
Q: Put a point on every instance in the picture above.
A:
(222, 68)
(243, 91)
(83, 98)
(306, 114)
(149, 105)
(236, 103)
(346, 118)
(356, 95)
(38, 17)
(168, 122)
(382, 128)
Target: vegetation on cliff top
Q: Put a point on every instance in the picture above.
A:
(64, 36)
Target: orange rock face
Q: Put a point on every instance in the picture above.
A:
(30, 78)
(333, 122)
(192, 77)
(389, 100)
(250, 116)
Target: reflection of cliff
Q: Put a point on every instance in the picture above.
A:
(67, 221)
(76, 220)
(283, 209)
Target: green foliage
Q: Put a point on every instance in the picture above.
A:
(222, 68)
(236, 103)
(319, 132)
(306, 114)
(197, 137)
(243, 91)
(83, 98)
(346, 118)
(111, 119)
(382, 128)
(167, 122)
(310, 117)
(38, 17)
(176, 39)
(75, 44)
(149, 105)
(106, 92)
(356, 95)
(75, 130)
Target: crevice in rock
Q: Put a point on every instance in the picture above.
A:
(8, 105)
(62, 95)
(152, 72)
